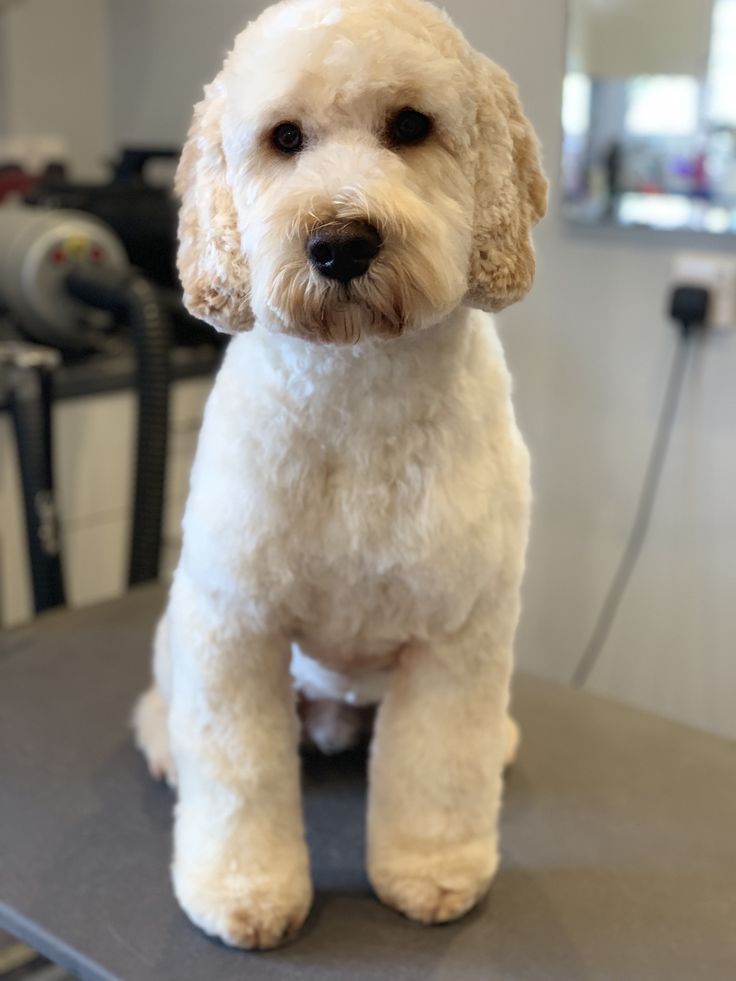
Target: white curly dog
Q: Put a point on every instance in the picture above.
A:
(358, 185)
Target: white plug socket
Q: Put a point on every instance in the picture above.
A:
(717, 273)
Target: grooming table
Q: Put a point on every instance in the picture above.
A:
(619, 838)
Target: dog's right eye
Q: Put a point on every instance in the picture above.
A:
(409, 127)
(288, 138)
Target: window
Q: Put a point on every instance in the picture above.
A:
(662, 105)
(722, 74)
(576, 105)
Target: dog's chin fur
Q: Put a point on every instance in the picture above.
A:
(346, 314)
(337, 319)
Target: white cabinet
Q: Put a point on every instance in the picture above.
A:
(94, 453)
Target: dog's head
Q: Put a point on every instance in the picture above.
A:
(356, 169)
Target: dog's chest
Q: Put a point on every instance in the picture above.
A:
(359, 510)
(384, 542)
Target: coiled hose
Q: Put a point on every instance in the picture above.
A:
(132, 299)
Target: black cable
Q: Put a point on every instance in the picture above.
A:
(645, 508)
(135, 301)
(30, 401)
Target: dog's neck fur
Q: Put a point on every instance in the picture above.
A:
(388, 380)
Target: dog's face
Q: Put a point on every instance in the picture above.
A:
(356, 169)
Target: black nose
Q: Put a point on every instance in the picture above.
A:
(344, 251)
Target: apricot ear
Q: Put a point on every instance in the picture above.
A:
(213, 270)
(510, 194)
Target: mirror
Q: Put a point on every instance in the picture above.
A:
(649, 114)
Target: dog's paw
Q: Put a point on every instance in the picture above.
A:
(252, 913)
(437, 895)
(151, 729)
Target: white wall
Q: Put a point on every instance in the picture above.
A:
(164, 51)
(590, 350)
(641, 37)
(54, 77)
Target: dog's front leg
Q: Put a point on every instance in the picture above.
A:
(436, 768)
(240, 867)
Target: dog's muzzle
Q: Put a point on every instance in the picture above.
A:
(344, 251)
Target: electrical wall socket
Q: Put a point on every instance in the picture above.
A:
(715, 271)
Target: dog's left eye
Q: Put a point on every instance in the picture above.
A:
(409, 127)
(288, 138)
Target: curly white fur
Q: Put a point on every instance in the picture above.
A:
(358, 513)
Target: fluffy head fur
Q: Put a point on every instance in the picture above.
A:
(455, 212)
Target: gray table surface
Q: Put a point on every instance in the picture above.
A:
(619, 838)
